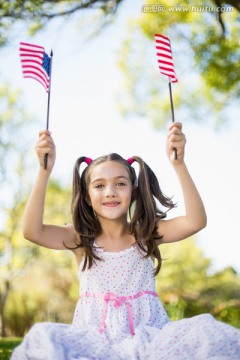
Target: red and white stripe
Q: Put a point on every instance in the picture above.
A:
(32, 63)
(164, 55)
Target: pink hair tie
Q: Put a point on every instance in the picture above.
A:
(88, 160)
(130, 160)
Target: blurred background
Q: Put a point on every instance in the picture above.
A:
(109, 96)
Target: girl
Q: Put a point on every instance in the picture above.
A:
(119, 315)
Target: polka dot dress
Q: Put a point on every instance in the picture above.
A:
(120, 317)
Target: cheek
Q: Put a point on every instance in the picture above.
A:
(128, 197)
(93, 196)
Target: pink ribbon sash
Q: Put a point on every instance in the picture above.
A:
(118, 301)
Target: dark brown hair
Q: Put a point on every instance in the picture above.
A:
(143, 210)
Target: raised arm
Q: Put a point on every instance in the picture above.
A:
(195, 217)
(49, 236)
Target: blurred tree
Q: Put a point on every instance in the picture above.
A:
(46, 291)
(187, 287)
(13, 120)
(21, 261)
(206, 51)
(206, 56)
(36, 14)
(12, 257)
(15, 252)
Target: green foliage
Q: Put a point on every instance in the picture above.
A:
(25, 265)
(206, 57)
(187, 289)
(14, 184)
(57, 206)
(45, 291)
(36, 14)
(7, 346)
(18, 256)
(216, 54)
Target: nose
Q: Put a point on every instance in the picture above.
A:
(111, 191)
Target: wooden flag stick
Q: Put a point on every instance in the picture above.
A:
(48, 104)
(172, 109)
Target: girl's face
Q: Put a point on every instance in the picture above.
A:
(110, 190)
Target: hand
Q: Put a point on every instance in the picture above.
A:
(45, 145)
(176, 140)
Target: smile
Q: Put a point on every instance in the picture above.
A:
(111, 203)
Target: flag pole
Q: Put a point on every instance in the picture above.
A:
(172, 109)
(48, 103)
(171, 100)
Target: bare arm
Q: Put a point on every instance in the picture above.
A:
(195, 217)
(49, 236)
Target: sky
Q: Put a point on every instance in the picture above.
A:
(84, 120)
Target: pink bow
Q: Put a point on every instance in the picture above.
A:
(118, 301)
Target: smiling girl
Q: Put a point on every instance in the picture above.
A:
(115, 235)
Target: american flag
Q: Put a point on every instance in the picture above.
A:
(164, 55)
(35, 63)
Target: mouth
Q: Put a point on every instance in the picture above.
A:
(111, 203)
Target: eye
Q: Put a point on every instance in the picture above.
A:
(121, 184)
(99, 186)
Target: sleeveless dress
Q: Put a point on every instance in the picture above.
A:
(120, 317)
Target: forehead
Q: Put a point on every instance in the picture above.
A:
(108, 170)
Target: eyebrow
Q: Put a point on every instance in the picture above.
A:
(116, 178)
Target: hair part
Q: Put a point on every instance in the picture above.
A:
(143, 210)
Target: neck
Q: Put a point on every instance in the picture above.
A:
(114, 229)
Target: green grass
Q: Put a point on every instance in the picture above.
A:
(6, 347)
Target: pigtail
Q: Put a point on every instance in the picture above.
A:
(84, 220)
(146, 214)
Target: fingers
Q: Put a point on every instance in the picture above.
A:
(175, 133)
(42, 132)
(177, 125)
(176, 140)
(45, 145)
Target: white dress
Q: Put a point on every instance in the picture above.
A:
(120, 317)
